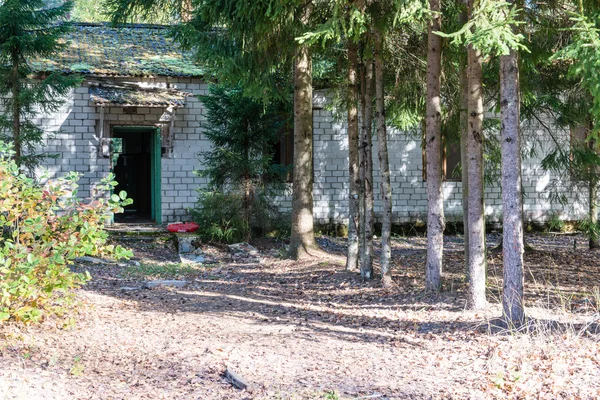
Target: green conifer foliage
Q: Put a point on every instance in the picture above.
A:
(240, 166)
(242, 131)
(29, 30)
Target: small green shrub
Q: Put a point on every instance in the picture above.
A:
(222, 216)
(590, 230)
(555, 224)
(44, 228)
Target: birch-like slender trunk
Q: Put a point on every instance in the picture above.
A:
(594, 242)
(302, 241)
(353, 159)
(16, 108)
(433, 148)
(384, 166)
(477, 253)
(512, 208)
(366, 177)
(464, 131)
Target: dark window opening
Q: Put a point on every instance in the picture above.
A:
(450, 161)
(284, 153)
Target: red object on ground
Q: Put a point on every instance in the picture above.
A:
(179, 227)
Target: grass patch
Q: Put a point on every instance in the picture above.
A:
(158, 271)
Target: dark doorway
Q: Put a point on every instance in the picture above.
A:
(131, 159)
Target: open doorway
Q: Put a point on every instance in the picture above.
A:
(137, 171)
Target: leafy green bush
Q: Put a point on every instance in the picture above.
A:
(590, 230)
(555, 224)
(44, 228)
(222, 217)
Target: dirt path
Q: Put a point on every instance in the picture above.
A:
(312, 330)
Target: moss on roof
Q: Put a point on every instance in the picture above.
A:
(135, 95)
(129, 50)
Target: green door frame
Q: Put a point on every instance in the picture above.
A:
(156, 176)
(155, 168)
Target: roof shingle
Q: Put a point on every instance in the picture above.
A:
(129, 94)
(129, 50)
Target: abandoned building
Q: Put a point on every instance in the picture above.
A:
(136, 114)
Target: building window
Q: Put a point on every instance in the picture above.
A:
(450, 161)
(283, 153)
(577, 152)
(284, 150)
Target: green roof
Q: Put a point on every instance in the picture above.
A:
(128, 50)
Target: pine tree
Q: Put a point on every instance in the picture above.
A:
(30, 30)
(366, 168)
(384, 164)
(242, 132)
(433, 143)
(476, 218)
(354, 225)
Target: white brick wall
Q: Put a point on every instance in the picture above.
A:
(75, 140)
(408, 188)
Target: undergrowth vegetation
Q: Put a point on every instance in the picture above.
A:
(243, 177)
(44, 228)
(222, 217)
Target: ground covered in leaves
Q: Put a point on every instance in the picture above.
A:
(298, 330)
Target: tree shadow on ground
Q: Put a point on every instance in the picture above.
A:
(315, 297)
(319, 296)
(544, 327)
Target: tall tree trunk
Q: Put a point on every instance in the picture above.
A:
(593, 211)
(302, 241)
(594, 242)
(187, 10)
(366, 171)
(247, 204)
(464, 131)
(433, 144)
(366, 147)
(512, 209)
(362, 164)
(477, 252)
(353, 159)
(16, 108)
(384, 166)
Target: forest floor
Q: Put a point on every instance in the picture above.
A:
(311, 330)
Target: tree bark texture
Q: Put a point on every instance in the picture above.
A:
(464, 131)
(302, 241)
(594, 243)
(353, 159)
(384, 166)
(16, 109)
(512, 220)
(433, 148)
(366, 177)
(477, 253)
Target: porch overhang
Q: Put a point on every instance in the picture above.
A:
(135, 95)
